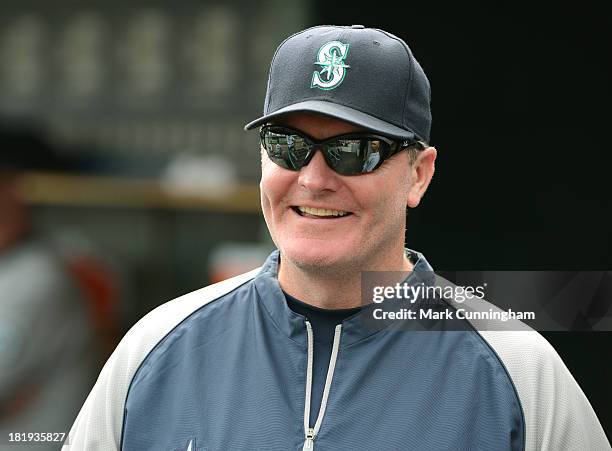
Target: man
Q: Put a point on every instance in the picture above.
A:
(373, 156)
(279, 358)
(46, 364)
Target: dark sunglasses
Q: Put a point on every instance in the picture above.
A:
(350, 154)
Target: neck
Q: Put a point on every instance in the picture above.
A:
(339, 289)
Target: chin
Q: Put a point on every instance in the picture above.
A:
(316, 257)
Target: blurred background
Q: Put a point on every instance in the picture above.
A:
(126, 178)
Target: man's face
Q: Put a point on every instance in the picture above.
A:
(375, 203)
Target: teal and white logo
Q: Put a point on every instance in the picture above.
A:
(331, 58)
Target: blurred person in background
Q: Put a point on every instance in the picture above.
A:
(46, 336)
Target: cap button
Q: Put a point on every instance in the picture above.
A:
(357, 26)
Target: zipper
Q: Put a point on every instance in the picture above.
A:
(309, 442)
(311, 433)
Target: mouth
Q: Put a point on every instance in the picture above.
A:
(320, 213)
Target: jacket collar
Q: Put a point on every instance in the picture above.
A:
(292, 324)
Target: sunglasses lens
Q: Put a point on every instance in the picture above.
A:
(286, 150)
(356, 156)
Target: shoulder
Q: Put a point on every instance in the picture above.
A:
(31, 270)
(99, 422)
(148, 331)
(556, 413)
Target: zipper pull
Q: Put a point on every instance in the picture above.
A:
(309, 442)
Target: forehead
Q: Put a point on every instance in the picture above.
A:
(317, 125)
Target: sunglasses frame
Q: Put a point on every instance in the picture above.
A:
(395, 146)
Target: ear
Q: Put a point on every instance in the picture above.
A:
(421, 172)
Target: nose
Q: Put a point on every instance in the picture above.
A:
(317, 176)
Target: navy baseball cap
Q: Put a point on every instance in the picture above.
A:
(364, 76)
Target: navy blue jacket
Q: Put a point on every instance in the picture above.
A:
(226, 368)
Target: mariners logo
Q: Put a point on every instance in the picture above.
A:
(331, 58)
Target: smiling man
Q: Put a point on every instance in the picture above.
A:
(278, 358)
(329, 226)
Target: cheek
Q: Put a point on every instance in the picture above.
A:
(266, 189)
(274, 186)
(389, 199)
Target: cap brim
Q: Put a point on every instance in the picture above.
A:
(339, 112)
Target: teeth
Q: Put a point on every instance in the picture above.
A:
(321, 211)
